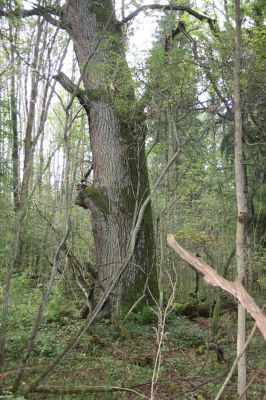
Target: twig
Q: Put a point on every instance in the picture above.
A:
(86, 389)
(40, 311)
(170, 7)
(32, 387)
(197, 387)
(229, 376)
(138, 300)
(251, 381)
(162, 312)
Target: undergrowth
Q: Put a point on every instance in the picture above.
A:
(123, 354)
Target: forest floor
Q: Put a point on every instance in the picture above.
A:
(193, 366)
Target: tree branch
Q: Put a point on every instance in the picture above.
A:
(86, 389)
(234, 288)
(72, 88)
(132, 242)
(46, 12)
(230, 374)
(162, 7)
(41, 308)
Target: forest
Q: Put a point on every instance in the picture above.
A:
(133, 199)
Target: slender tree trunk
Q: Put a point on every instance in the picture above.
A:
(118, 145)
(241, 202)
(28, 141)
(13, 104)
(48, 93)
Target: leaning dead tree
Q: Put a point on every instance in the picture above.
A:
(213, 278)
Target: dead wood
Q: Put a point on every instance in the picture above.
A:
(213, 278)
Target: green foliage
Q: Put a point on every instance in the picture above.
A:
(24, 304)
(8, 395)
(4, 3)
(185, 334)
(114, 356)
(48, 343)
(104, 11)
(196, 201)
(145, 315)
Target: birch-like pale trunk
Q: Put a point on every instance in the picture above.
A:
(241, 203)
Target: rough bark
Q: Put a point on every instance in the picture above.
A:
(120, 182)
(117, 138)
(115, 279)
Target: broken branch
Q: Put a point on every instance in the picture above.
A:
(235, 288)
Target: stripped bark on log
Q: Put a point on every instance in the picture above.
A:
(213, 278)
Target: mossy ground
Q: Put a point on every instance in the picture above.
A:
(124, 355)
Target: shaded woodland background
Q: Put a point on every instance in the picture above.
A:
(174, 336)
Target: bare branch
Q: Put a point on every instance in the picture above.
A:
(72, 88)
(67, 83)
(39, 315)
(132, 242)
(229, 376)
(48, 13)
(169, 7)
(214, 279)
(86, 389)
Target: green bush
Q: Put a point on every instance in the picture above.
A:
(146, 315)
(186, 334)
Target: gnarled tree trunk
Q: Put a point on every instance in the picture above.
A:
(117, 134)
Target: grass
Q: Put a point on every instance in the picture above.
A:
(124, 355)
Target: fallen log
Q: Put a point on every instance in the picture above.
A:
(196, 308)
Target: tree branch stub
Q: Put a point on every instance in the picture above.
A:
(73, 89)
(96, 195)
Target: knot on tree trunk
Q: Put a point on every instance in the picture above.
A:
(87, 195)
(81, 199)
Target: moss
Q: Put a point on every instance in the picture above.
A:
(104, 11)
(94, 94)
(144, 253)
(148, 221)
(98, 197)
(117, 87)
(128, 202)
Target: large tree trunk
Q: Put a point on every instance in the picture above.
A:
(117, 134)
